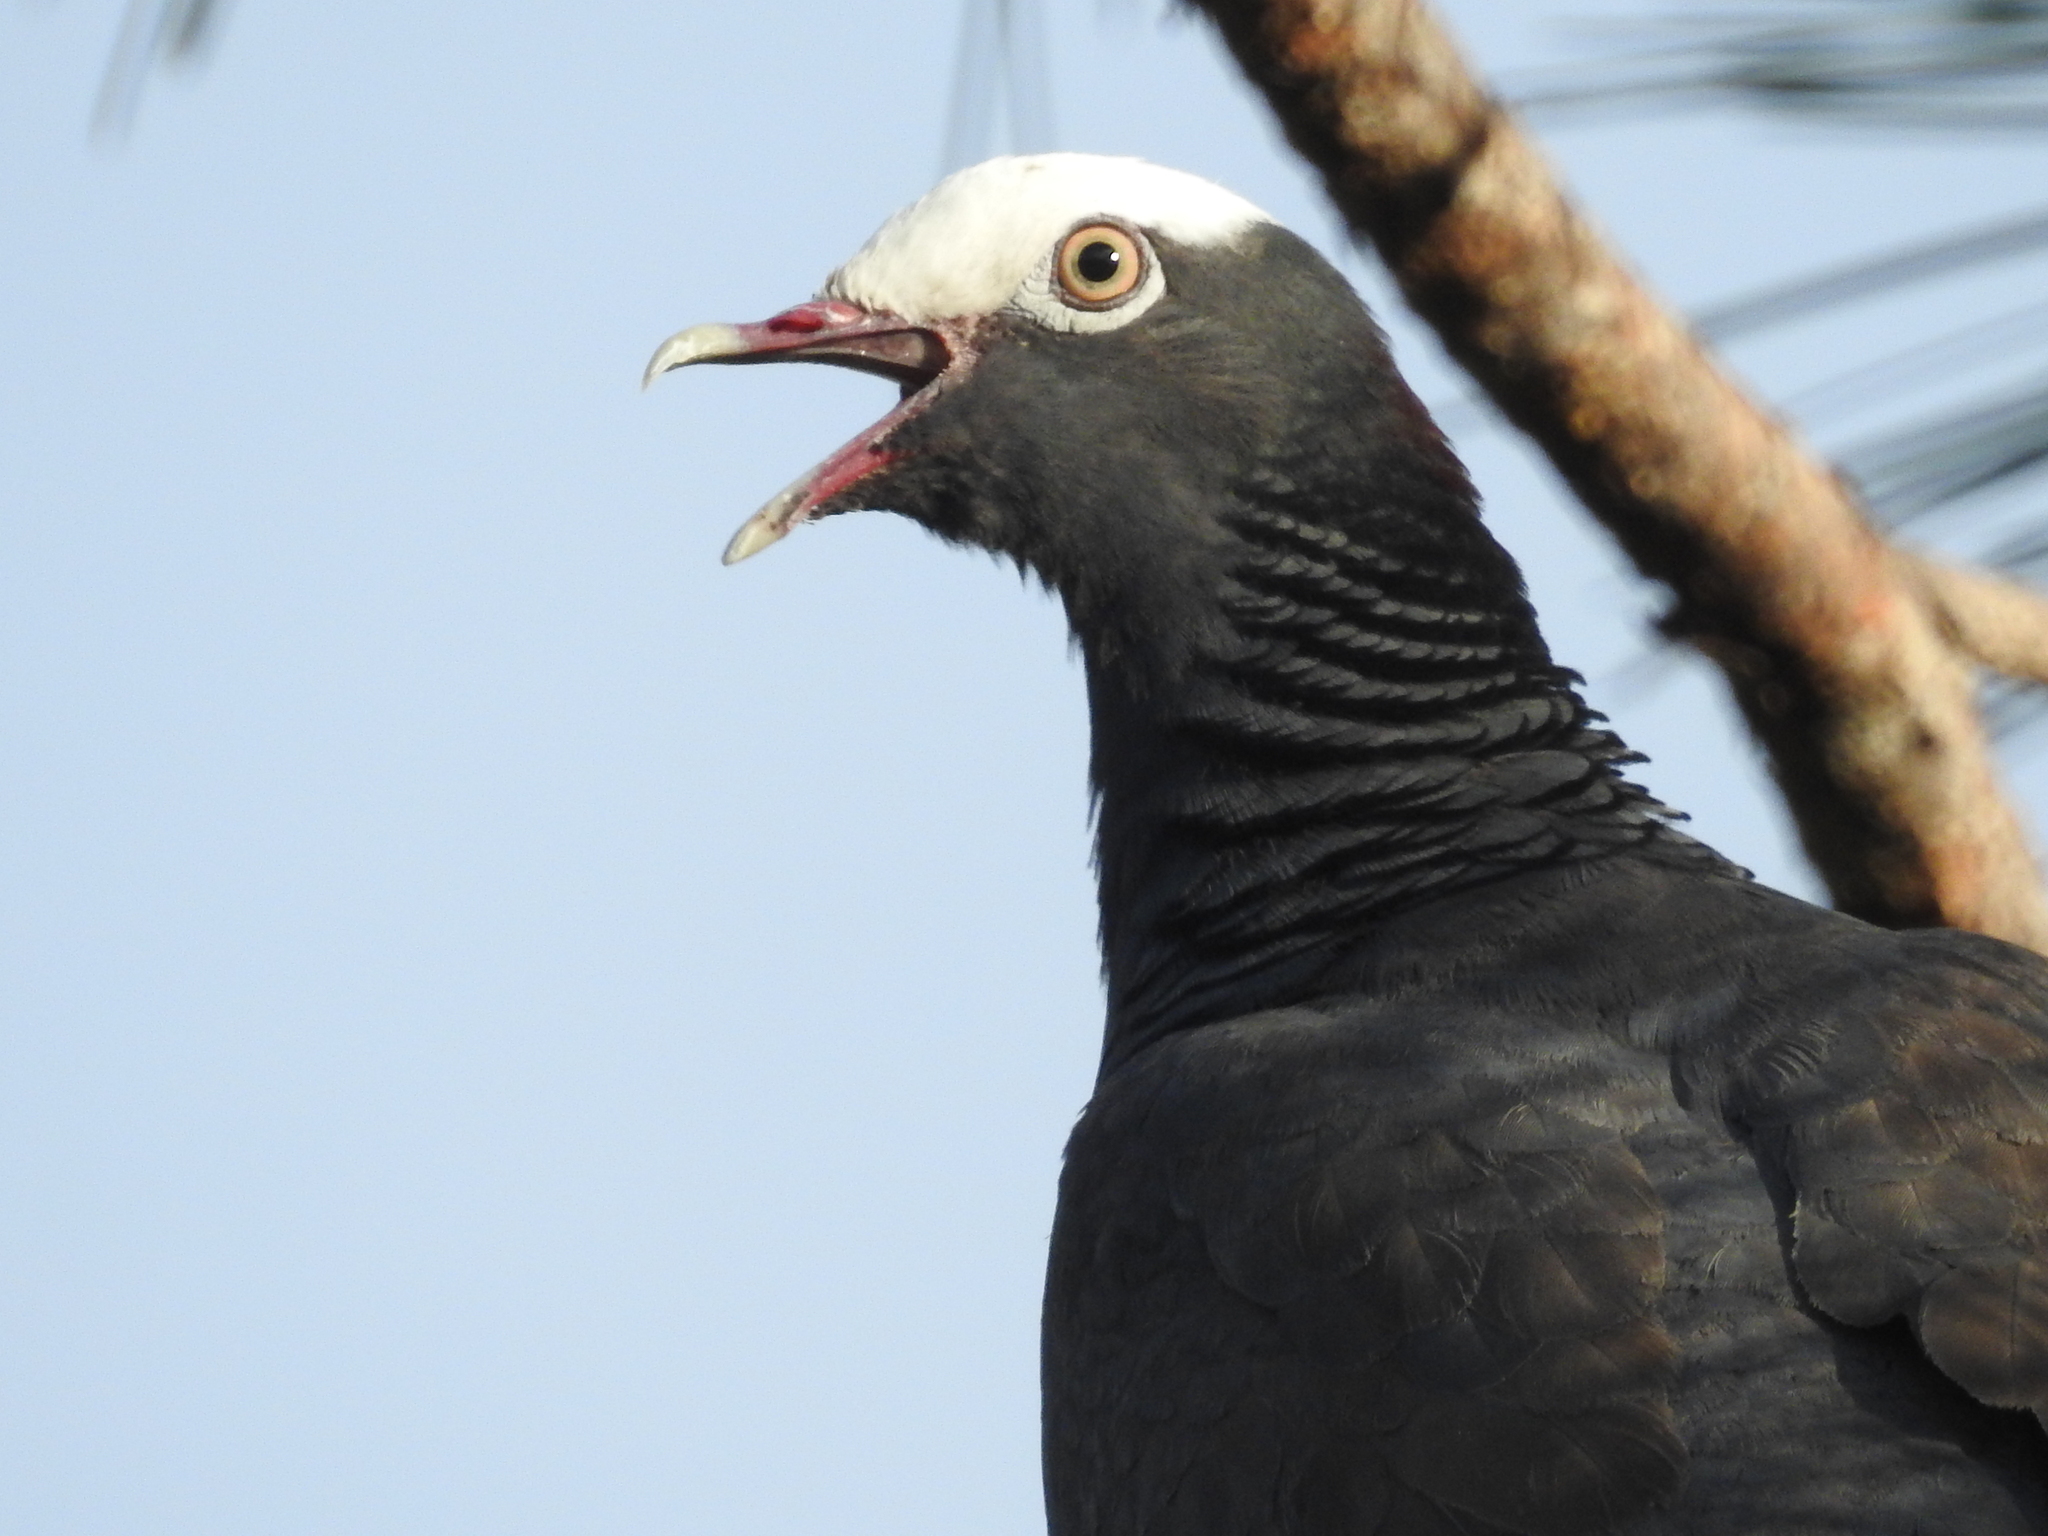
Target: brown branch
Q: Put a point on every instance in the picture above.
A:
(1843, 673)
(1997, 623)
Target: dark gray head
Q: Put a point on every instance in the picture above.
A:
(1099, 357)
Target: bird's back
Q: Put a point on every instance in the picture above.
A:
(1519, 1223)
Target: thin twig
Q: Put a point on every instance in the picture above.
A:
(1998, 623)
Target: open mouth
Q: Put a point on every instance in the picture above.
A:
(921, 358)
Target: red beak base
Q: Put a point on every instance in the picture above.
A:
(920, 357)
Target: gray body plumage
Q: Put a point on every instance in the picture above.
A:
(1498, 1235)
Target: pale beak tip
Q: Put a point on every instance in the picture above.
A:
(755, 535)
(699, 344)
(707, 344)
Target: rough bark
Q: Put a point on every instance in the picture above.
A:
(1851, 662)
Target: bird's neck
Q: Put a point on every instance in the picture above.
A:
(1364, 720)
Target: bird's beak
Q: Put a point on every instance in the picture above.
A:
(825, 331)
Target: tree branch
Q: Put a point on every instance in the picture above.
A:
(1997, 623)
(1844, 673)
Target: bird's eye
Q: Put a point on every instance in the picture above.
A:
(1098, 264)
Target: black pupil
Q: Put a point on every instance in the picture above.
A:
(1098, 261)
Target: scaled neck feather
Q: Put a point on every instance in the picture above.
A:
(1371, 721)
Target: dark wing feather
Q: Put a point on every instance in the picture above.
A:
(1910, 1121)
(1357, 1270)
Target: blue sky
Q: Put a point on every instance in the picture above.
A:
(509, 1026)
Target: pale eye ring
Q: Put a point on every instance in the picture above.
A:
(1099, 266)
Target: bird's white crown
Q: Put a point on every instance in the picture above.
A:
(982, 239)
